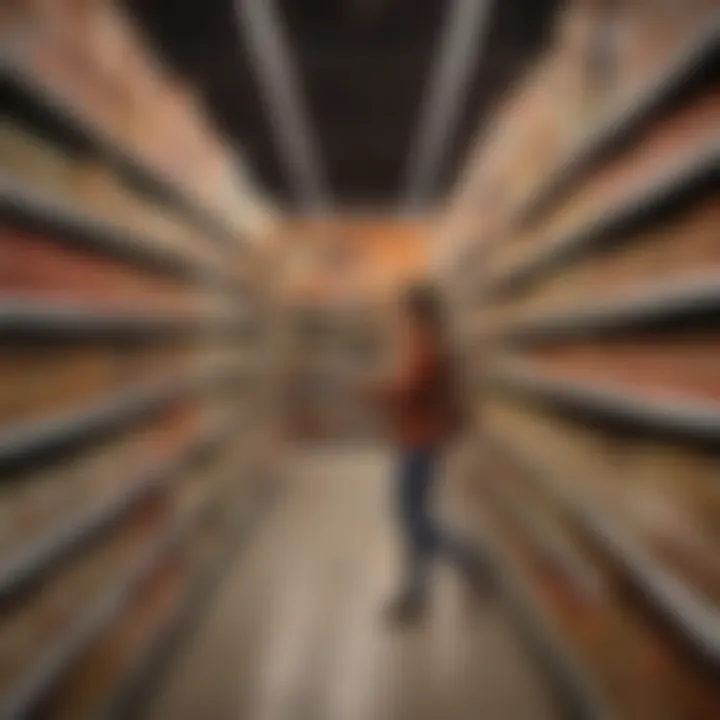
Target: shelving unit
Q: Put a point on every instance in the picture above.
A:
(37, 319)
(588, 300)
(578, 693)
(687, 613)
(124, 292)
(139, 680)
(28, 208)
(681, 178)
(29, 440)
(685, 299)
(32, 99)
(696, 421)
(669, 80)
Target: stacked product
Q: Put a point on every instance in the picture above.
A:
(129, 342)
(589, 300)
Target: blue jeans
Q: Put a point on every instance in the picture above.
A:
(423, 538)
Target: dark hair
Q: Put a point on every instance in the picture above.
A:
(424, 303)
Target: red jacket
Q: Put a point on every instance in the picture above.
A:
(414, 399)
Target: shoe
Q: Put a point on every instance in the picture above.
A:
(406, 609)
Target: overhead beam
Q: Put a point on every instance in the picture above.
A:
(260, 26)
(444, 95)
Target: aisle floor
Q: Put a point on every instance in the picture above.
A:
(295, 630)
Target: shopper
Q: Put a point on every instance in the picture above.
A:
(422, 403)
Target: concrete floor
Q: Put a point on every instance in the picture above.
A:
(295, 632)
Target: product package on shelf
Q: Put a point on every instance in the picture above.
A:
(99, 483)
(42, 269)
(26, 158)
(51, 45)
(655, 257)
(634, 666)
(130, 453)
(634, 268)
(543, 139)
(662, 496)
(671, 146)
(88, 190)
(119, 662)
(674, 150)
(665, 369)
(163, 361)
(89, 60)
(82, 376)
(590, 64)
(113, 658)
(200, 486)
(544, 523)
(29, 392)
(39, 502)
(33, 625)
(207, 545)
(592, 322)
(81, 52)
(187, 423)
(656, 33)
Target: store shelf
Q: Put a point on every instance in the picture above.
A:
(21, 318)
(141, 678)
(35, 209)
(645, 201)
(671, 300)
(29, 693)
(524, 517)
(576, 690)
(58, 543)
(696, 621)
(670, 81)
(27, 97)
(33, 439)
(695, 421)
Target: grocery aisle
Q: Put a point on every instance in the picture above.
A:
(295, 631)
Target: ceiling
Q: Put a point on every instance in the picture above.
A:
(361, 68)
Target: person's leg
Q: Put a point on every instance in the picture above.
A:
(424, 538)
(452, 546)
(412, 486)
(421, 531)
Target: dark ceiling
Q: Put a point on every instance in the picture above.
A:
(362, 67)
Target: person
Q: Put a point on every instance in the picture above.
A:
(422, 402)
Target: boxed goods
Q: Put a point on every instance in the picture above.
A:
(684, 368)
(685, 135)
(576, 92)
(41, 501)
(633, 267)
(89, 189)
(543, 140)
(663, 496)
(637, 664)
(31, 625)
(113, 659)
(179, 427)
(81, 376)
(43, 269)
(25, 157)
(657, 33)
(29, 392)
(569, 483)
(674, 504)
(635, 667)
